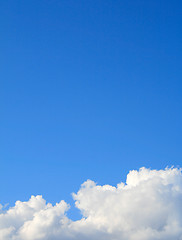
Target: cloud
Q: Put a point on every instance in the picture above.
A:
(147, 207)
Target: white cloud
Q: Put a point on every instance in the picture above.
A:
(147, 207)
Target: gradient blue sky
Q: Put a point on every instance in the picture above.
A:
(89, 89)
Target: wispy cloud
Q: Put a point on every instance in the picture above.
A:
(147, 207)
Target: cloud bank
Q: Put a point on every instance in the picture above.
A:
(147, 207)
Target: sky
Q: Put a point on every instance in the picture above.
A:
(89, 90)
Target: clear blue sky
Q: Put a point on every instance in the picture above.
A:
(89, 89)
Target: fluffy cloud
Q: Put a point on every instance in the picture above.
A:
(147, 207)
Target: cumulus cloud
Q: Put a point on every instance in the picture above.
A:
(147, 207)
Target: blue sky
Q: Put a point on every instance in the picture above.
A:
(89, 89)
